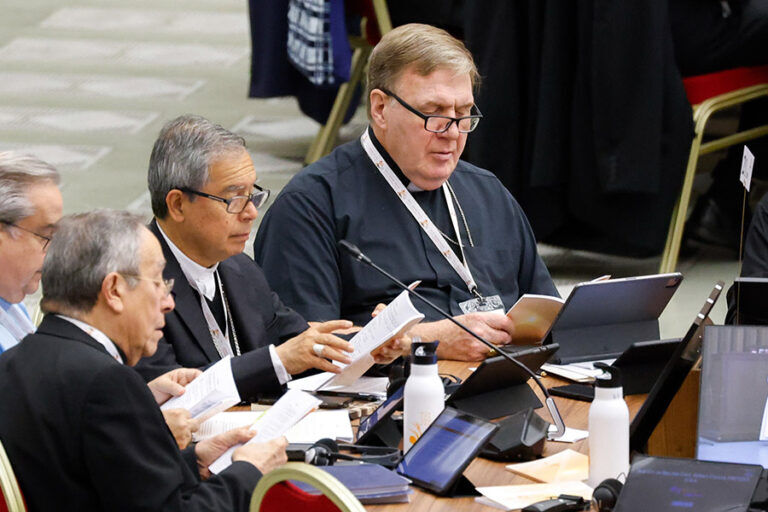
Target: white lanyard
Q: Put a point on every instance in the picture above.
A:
(220, 339)
(420, 215)
(16, 322)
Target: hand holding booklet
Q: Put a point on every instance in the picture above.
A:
(393, 321)
(286, 412)
(210, 393)
(533, 315)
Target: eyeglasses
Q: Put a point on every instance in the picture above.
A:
(166, 284)
(238, 203)
(45, 239)
(441, 124)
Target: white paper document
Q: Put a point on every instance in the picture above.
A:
(576, 373)
(516, 497)
(225, 421)
(286, 412)
(212, 392)
(571, 435)
(332, 424)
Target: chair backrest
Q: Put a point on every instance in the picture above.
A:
(274, 492)
(9, 486)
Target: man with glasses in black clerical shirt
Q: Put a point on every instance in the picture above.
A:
(402, 195)
(204, 197)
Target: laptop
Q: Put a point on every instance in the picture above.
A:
(685, 356)
(733, 402)
(602, 319)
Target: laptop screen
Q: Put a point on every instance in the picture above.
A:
(733, 403)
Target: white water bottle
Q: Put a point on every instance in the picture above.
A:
(608, 429)
(424, 394)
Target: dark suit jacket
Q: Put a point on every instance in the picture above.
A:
(83, 432)
(259, 316)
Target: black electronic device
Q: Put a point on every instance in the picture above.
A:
(520, 438)
(357, 254)
(750, 300)
(378, 428)
(498, 387)
(686, 354)
(327, 451)
(437, 460)
(664, 484)
(640, 365)
(606, 494)
(333, 402)
(601, 319)
(563, 503)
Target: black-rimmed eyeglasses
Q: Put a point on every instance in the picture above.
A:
(45, 239)
(441, 124)
(238, 203)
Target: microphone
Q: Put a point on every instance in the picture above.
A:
(356, 253)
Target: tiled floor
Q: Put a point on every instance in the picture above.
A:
(86, 84)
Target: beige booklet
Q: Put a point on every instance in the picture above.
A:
(516, 497)
(533, 315)
(568, 465)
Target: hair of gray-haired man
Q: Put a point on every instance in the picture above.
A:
(182, 155)
(87, 247)
(18, 173)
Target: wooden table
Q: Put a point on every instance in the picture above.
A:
(483, 472)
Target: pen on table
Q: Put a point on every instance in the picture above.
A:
(367, 397)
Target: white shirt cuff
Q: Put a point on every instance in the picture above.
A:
(282, 374)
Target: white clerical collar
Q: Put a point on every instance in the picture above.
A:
(200, 278)
(413, 188)
(96, 334)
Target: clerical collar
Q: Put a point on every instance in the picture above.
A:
(97, 335)
(200, 278)
(395, 168)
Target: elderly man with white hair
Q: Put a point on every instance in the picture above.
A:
(30, 207)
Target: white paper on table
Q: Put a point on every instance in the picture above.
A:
(515, 497)
(571, 435)
(225, 421)
(286, 412)
(397, 318)
(331, 424)
(212, 392)
(571, 372)
(369, 385)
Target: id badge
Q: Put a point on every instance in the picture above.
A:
(492, 303)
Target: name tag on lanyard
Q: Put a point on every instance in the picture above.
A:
(491, 303)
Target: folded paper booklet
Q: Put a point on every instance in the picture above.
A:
(516, 497)
(396, 319)
(568, 465)
(367, 385)
(331, 424)
(533, 315)
(210, 393)
(286, 412)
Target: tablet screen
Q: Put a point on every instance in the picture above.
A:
(445, 449)
(381, 412)
(665, 484)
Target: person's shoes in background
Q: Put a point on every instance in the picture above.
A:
(713, 223)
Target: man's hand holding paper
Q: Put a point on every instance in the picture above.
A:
(313, 348)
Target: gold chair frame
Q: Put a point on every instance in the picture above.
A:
(326, 138)
(9, 486)
(316, 477)
(701, 115)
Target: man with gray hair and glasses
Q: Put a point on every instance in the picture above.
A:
(81, 428)
(202, 184)
(403, 196)
(30, 207)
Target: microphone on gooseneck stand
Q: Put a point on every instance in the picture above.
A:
(356, 253)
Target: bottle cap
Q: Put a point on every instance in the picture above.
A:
(613, 378)
(424, 352)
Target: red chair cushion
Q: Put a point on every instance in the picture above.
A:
(702, 87)
(286, 497)
(364, 8)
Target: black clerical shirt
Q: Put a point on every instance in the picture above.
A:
(343, 196)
